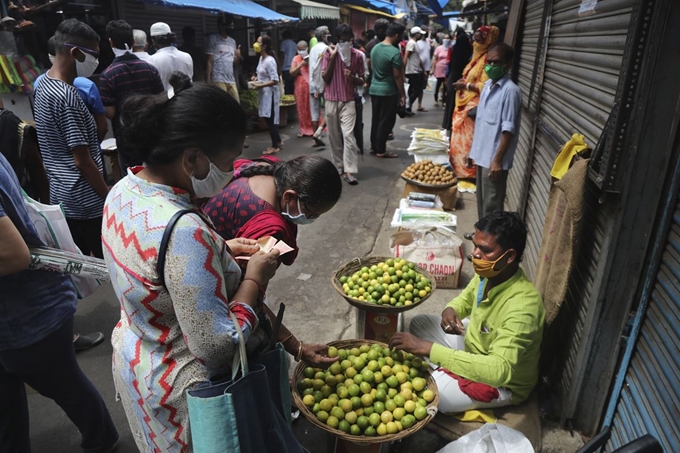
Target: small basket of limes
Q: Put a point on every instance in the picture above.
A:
(383, 284)
(370, 395)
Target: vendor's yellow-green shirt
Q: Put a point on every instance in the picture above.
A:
(503, 339)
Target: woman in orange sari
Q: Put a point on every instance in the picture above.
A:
(299, 68)
(468, 89)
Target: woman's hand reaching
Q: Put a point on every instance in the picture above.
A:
(243, 247)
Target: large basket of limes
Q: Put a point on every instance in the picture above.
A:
(383, 284)
(370, 395)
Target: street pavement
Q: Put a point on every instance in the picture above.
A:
(357, 226)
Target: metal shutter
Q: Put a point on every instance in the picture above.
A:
(142, 16)
(582, 70)
(537, 202)
(650, 398)
(583, 66)
(517, 177)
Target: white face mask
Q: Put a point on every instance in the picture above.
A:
(86, 68)
(301, 218)
(52, 58)
(447, 43)
(345, 49)
(213, 184)
(120, 52)
(302, 53)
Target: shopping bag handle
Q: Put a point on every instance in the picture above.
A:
(241, 358)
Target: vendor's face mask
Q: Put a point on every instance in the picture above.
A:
(301, 218)
(486, 268)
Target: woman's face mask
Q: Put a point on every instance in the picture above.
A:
(302, 53)
(301, 218)
(446, 42)
(212, 184)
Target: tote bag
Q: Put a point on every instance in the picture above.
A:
(249, 412)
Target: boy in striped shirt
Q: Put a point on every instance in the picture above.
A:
(67, 135)
(343, 71)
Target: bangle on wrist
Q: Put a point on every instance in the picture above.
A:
(283, 342)
(252, 280)
(298, 355)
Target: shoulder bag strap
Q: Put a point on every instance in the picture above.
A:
(160, 265)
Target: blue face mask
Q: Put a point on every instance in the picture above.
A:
(300, 219)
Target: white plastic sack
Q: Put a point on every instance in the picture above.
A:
(490, 438)
(50, 223)
(431, 85)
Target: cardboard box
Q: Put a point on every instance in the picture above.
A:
(378, 326)
(448, 195)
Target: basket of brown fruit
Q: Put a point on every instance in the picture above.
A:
(429, 174)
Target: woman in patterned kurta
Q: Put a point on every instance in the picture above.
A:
(171, 337)
(468, 90)
(299, 68)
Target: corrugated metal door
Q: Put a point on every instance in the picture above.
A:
(650, 397)
(142, 16)
(582, 68)
(531, 29)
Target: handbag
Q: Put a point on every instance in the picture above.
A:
(248, 411)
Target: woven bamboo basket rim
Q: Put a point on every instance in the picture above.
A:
(351, 267)
(430, 186)
(432, 407)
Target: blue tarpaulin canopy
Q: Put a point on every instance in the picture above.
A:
(422, 9)
(243, 8)
(438, 6)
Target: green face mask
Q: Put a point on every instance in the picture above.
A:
(494, 72)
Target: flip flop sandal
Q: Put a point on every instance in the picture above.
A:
(390, 137)
(318, 142)
(269, 151)
(387, 155)
(422, 110)
(351, 180)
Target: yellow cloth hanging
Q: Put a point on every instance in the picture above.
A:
(576, 145)
(482, 416)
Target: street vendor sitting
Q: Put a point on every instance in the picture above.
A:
(485, 347)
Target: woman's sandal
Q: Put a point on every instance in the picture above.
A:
(387, 155)
(351, 180)
(271, 150)
(317, 142)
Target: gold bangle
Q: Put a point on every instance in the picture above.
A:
(298, 356)
(283, 342)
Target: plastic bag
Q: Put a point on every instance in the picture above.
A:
(490, 438)
(50, 223)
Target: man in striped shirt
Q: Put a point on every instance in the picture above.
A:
(126, 76)
(343, 71)
(67, 135)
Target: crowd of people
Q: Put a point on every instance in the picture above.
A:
(187, 197)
